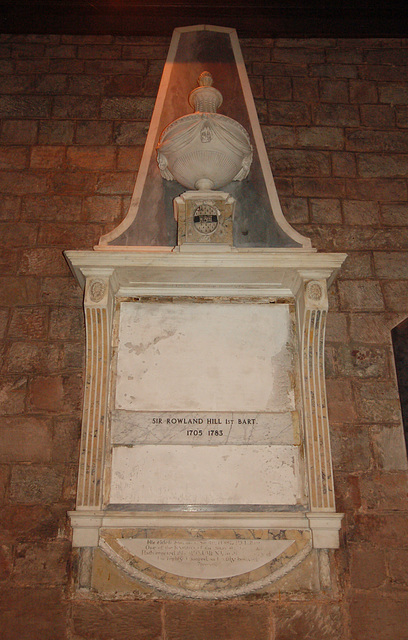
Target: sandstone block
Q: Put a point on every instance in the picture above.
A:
(367, 568)
(35, 485)
(139, 620)
(25, 439)
(199, 621)
(360, 295)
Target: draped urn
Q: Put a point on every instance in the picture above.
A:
(204, 150)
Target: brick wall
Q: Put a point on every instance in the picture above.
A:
(74, 115)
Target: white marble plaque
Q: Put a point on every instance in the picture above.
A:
(187, 474)
(132, 427)
(203, 558)
(205, 357)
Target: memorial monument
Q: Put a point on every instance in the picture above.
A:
(205, 466)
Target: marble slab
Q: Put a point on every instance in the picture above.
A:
(131, 427)
(205, 358)
(187, 474)
(205, 559)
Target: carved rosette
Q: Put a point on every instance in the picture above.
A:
(97, 303)
(315, 306)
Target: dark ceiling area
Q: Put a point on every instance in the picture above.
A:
(253, 18)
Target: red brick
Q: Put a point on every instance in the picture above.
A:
(9, 260)
(326, 211)
(55, 208)
(75, 107)
(35, 485)
(377, 115)
(31, 613)
(126, 107)
(144, 51)
(388, 616)
(393, 93)
(398, 566)
(19, 131)
(256, 83)
(91, 158)
(6, 561)
(334, 91)
(42, 564)
(291, 113)
(357, 265)
(391, 266)
(307, 620)
(12, 396)
(344, 54)
(139, 620)
(21, 182)
(94, 132)
(25, 439)
(103, 208)
(50, 157)
(367, 568)
(377, 189)
(69, 235)
(28, 50)
(341, 403)
(334, 70)
(360, 212)
(387, 56)
(13, 157)
(298, 56)
(18, 84)
(321, 137)
(66, 65)
(205, 621)
(389, 448)
(124, 85)
(347, 490)
(98, 51)
(385, 491)
(43, 262)
(128, 158)
(51, 84)
(56, 132)
(65, 441)
(360, 295)
(29, 322)
(394, 214)
(363, 91)
(344, 165)
(383, 72)
(396, 296)
(19, 291)
(351, 455)
(74, 183)
(254, 53)
(61, 291)
(4, 318)
(336, 115)
(116, 183)
(130, 133)
(299, 163)
(9, 208)
(319, 188)
(87, 85)
(377, 401)
(25, 106)
(305, 89)
(19, 234)
(402, 116)
(47, 394)
(278, 88)
(377, 141)
(373, 165)
(113, 67)
(295, 210)
(60, 51)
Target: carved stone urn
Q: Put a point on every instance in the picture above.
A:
(204, 150)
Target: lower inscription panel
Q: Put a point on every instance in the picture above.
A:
(189, 474)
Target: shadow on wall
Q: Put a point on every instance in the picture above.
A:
(400, 344)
